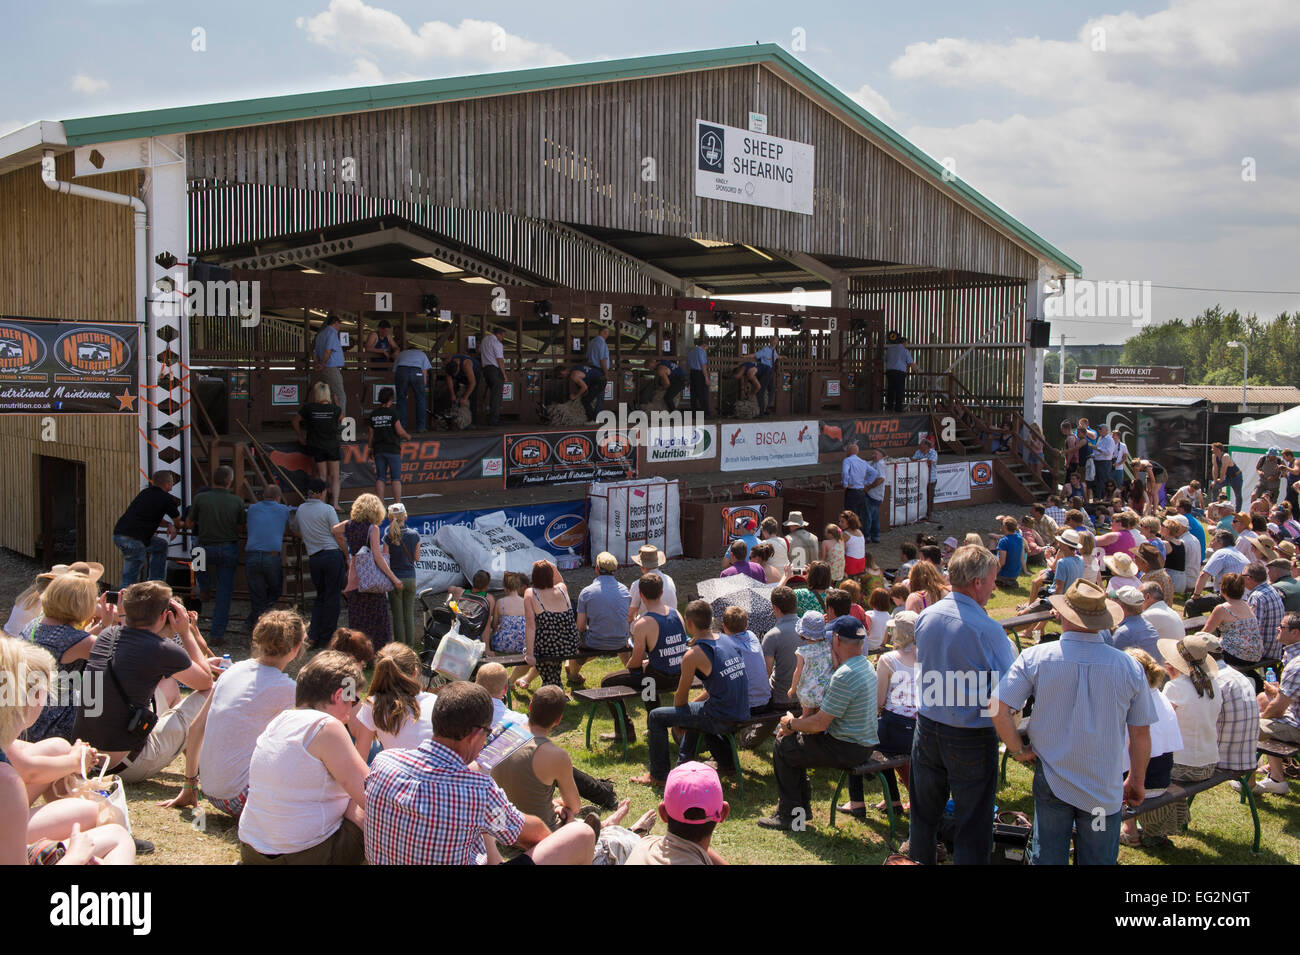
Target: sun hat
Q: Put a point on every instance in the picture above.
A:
(902, 628)
(812, 626)
(88, 568)
(1193, 648)
(795, 519)
(1085, 605)
(1266, 547)
(651, 555)
(1070, 538)
(1121, 565)
(951, 543)
(693, 786)
(1286, 549)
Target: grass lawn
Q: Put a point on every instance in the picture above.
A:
(1221, 828)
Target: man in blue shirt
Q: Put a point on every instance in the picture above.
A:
(602, 613)
(598, 351)
(697, 362)
(1011, 553)
(961, 653)
(263, 569)
(329, 360)
(853, 476)
(898, 362)
(1079, 683)
(766, 357)
(875, 485)
(1069, 565)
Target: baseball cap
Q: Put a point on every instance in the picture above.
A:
(1181, 519)
(848, 628)
(1130, 596)
(695, 789)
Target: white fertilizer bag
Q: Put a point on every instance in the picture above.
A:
(491, 545)
(436, 569)
(624, 515)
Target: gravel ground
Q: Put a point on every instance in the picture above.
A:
(17, 571)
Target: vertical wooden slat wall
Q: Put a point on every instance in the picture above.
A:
(64, 257)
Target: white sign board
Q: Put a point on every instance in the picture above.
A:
(736, 165)
(907, 480)
(751, 447)
(681, 444)
(952, 483)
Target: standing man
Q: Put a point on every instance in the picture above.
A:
(492, 354)
(927, 453)
(697, 362)
(267, 520)
(136, 531)
(672, 378)
(464, 375)
(1079, 681)
(841, 734)
(314, 522)
(766, 357)
(216, 515)
(329, 360)
(875, 495)
(962, 652)
(384, 445)
(411, 369)
(853, 475)
(898, 362)
(598, 357)
(1103, 459)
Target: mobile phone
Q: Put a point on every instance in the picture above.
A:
(112, 596)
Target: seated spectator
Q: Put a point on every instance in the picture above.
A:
(355, 644)
(69, 604)
(813, 595)
(651, 560)
(550, 633)
(926, 586)
(508, 616)
(493, 678)
(812, 669)
(658, 644)
(735, 624)
(396, 712)
(1123, 572)
(1171, 533)
(1279, 708)
(738, 562)
(1165, 739)
(603, 607)
(1193, 693)
(306, 779)
(1120, 539)
(64, 833)
(1237, 733)
(1067, 564)
(898, 595)
(832, 550)
(131, 661)
(1149, 531)
(1237, 626)
(841, 734)
(1268, 606)
(1150, 563)
(761, 554)
(245, 699)
(1193, 545)
(1134, 630)
(721, 668)
(692, 808)
(779, 645)
(851, 587)
(1011, 553)
(1279, 575)
(909, 553)
(1157, 612)
(1224, 559)
(425, 806)
(878, 618)
(475, 607)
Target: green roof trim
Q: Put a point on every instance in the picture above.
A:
(280, 109)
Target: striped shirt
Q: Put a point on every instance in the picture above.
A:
(1238, 729)
(1079, 681)
(1057, 514)
(851, 699)
(1269, 611)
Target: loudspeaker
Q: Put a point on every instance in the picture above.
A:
(1040, 334)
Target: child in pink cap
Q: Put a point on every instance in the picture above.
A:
(692, 806)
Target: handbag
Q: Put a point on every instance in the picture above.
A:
(105, 791)
(367, 576)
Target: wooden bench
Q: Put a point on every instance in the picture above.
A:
(1187, 791)
(612, 696)
(761, 720)
(1013, 625)
(878, 765)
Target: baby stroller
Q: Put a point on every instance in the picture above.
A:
(438, 618)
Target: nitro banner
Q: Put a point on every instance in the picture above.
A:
(880, 431)
(77, 367)
(907, 479)
(766, 445)
(450, 458)
(568, 457)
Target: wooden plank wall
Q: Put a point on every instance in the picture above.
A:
(576, 155)
(64, 257)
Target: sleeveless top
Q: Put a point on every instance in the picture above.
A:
(903, 697)
(529, 794)
(674, 370)
(855, 545)
(293, 801)
(556, 633)
(386, 346)
(726, 683)
(666, 657)
(1240, 637)
(1123, 544)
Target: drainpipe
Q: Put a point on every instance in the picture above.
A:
(141, 272)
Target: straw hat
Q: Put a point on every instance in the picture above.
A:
(795, 519)
(649, 557)
(1121, 565)
(92, 569)
(1266, 547)
(1195, 647)
(1070, 538)
(1085, 605)
(1286, 549)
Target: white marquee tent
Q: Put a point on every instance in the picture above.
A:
(1249, 441)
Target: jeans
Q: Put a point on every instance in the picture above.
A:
(1101, 470)
(134, 556)
(855, 500)
(593, 399)
(675, 388)
(793, 756)
(699, 393)
(329, 575)
(895, 383)
(692, 718)
(401, 606)
(408, 377)
(496, 382)
(222, 560)
(1096, 837)
(265, 576)
(963, 762)
(766, 388)
(871, 526)
(896, 733)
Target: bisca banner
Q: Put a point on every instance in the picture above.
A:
(881, 431)
(449, 458)
(764, 445)
(568, 457)
(69, 367)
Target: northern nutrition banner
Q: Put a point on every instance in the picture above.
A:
(68, 367)
(568, 457)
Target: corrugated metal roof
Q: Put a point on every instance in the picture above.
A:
(276, 109)
(1219, 394)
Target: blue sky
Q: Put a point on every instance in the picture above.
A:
(1129, 157)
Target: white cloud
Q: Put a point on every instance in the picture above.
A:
(88, 85)
(874, 102)
(354, 28)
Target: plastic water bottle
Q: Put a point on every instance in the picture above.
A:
(226, 662)
(1270, 676)
(950, 809)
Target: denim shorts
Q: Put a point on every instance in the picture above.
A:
(388, 467)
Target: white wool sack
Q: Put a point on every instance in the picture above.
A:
(436, 569)
(491, 545)
(624, 515)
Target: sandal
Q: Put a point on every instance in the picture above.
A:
(857, 812)
(1126, 840)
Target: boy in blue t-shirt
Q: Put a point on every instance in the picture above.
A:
(1011, 549)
